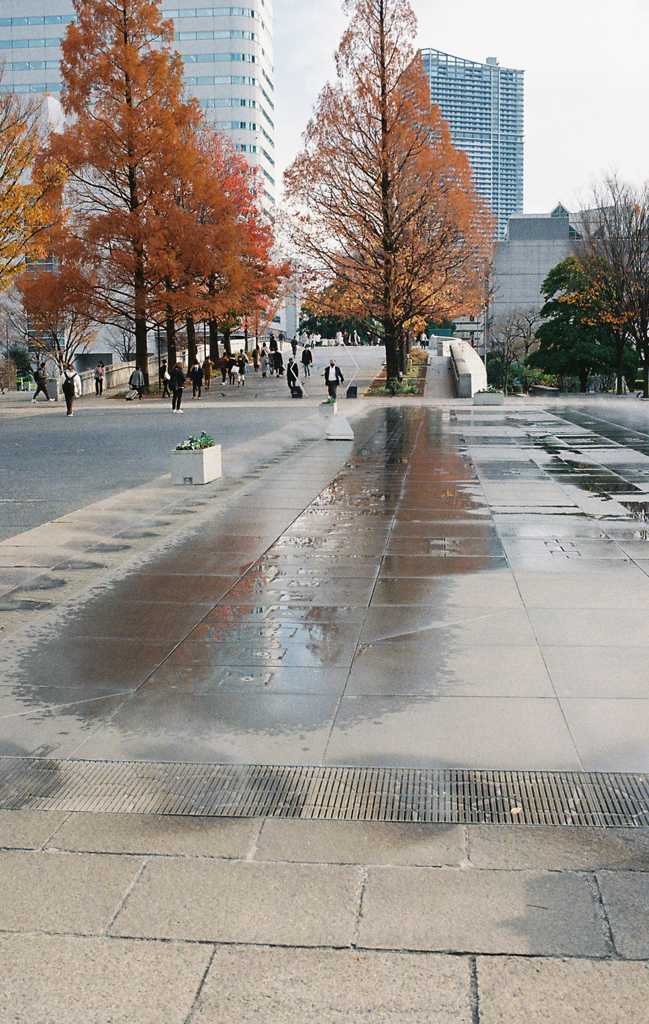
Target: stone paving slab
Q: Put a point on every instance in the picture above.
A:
(221, 901)
(481, 911)
(162, 835)
(625, 895)
(47, 979)
(28, 830)
(553, 991)
(55, 892)
(510, 848)
(321, 842)
(278, 986)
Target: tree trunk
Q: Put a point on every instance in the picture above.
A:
(141, 343)
(226, 341)
(214, 341)
(191, 341)
(619, 357)
(170, 329)
(645, 377)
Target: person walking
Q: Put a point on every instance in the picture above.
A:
(71, 387)
(178, 378)
(242, 366)
(136, 381)
(224, 364)
(100, 373)
(208, 369)
(307, 359)
(294, 347)
(292, 374)
(278, 363)
(164, 378)
(256, 355)
(263, 360)
(196, 377)
(40, 376)
(233, 369)
(333, 377)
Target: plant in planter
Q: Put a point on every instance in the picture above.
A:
(196, 460)
(488, 396)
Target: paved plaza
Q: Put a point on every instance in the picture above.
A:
(456, 589)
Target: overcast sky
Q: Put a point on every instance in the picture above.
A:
(586, 66)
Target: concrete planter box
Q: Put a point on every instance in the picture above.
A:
(488, 398)
(196, 467)
(328, 410)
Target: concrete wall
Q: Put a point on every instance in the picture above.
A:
(468, 369)
(117, 375)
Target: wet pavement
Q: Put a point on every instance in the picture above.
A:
(458, 587)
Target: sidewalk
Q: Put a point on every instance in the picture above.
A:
(459, 590)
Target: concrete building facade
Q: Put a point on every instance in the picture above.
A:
(483, 104)
(227, 53)
(533, 245)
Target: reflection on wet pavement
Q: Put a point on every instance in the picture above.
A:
(436, 602)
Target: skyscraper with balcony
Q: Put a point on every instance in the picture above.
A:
(227, 53)
(483, 104)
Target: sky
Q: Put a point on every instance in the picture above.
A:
(586, 66)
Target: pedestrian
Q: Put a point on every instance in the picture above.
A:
(263, 360)
(233, 369)
(304, 339)
(292, 374)
(278, 363)
(208, 369)
(307, 359)
(164, 378)
(136, 381)
(294, 346)
(242, 367)
(100, 373)
(333, 377)
(71, 387)
(272, 344)
(196, 377)
(178, 378)
(256, 356)
(224, 364)
(40, 376)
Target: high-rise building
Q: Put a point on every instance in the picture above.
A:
(227, 52)
(483, 104)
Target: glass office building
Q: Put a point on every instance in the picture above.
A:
(483, 104)
(227, 52)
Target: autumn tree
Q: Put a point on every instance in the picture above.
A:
(614, 255)
(513, 339)
(26, 191)
(59, 325)
(382, 203)
(574, 339)
(124, 150)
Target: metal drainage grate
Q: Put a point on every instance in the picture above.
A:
(348, 794)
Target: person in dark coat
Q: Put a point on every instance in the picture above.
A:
(292, 374)
(224, 364)
(178, 379)
(196, 377)
(307, 359)
(278, 363)
(333, 377)
(40, 376)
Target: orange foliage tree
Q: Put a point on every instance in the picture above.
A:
(124, 151)
(382, 206)
(26, 190)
